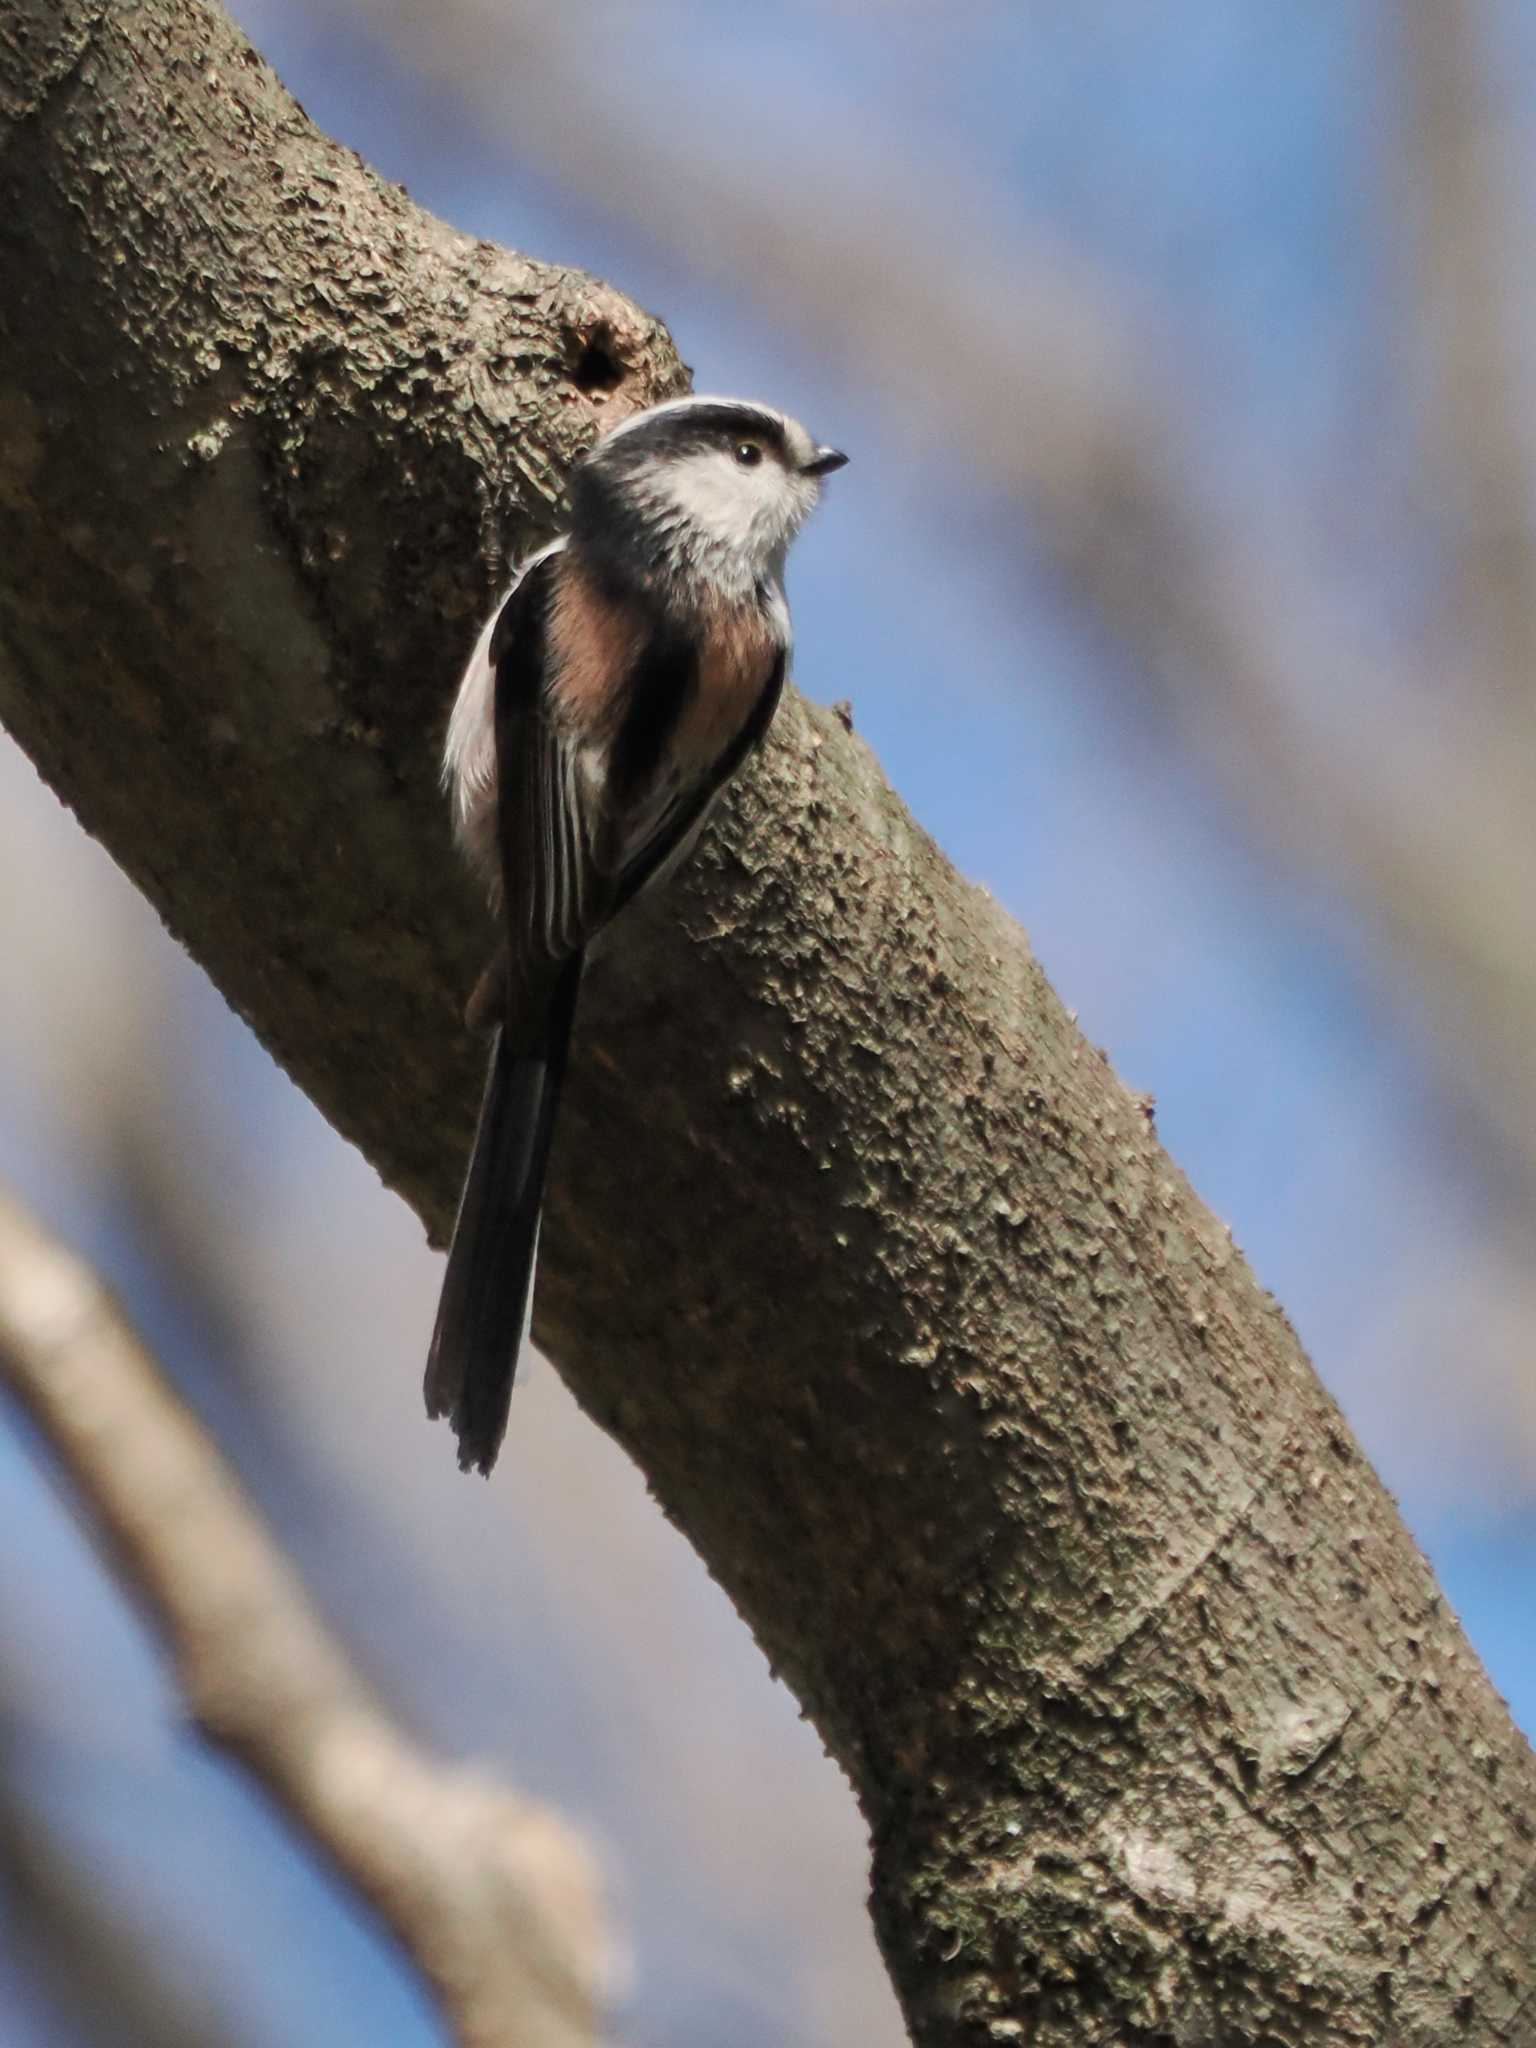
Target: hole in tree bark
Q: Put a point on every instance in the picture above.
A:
(596, 366)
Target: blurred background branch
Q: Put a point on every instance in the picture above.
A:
(86, 1960)
(493, 1898)
(1470, 245)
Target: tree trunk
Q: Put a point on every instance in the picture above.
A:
(1161, 1728)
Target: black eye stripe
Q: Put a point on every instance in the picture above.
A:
(697, 427)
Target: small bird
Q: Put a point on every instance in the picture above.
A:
(632, 667)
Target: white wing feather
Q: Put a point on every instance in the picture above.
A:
(469, 751)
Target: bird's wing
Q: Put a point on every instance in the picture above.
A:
(552, 818)
(669, 822)
(469, 749)
(582, 829)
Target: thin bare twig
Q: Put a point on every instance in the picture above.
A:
(492, 1897)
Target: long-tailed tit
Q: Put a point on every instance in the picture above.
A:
(629, 672)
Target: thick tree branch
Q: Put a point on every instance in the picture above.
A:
(491, 1897)
(1161, 1728)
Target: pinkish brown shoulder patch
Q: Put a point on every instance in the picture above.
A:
(593, 643)
(737, 650)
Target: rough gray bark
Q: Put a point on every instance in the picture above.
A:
(1161, 1729)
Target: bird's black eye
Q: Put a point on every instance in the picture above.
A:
(749, 453)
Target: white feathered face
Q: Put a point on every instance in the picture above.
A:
(714, 483)
(744, 496)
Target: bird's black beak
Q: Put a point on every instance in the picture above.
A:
(824, 461)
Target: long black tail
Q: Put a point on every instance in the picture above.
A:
(484, 1311)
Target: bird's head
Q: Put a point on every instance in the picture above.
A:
(700, 488)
